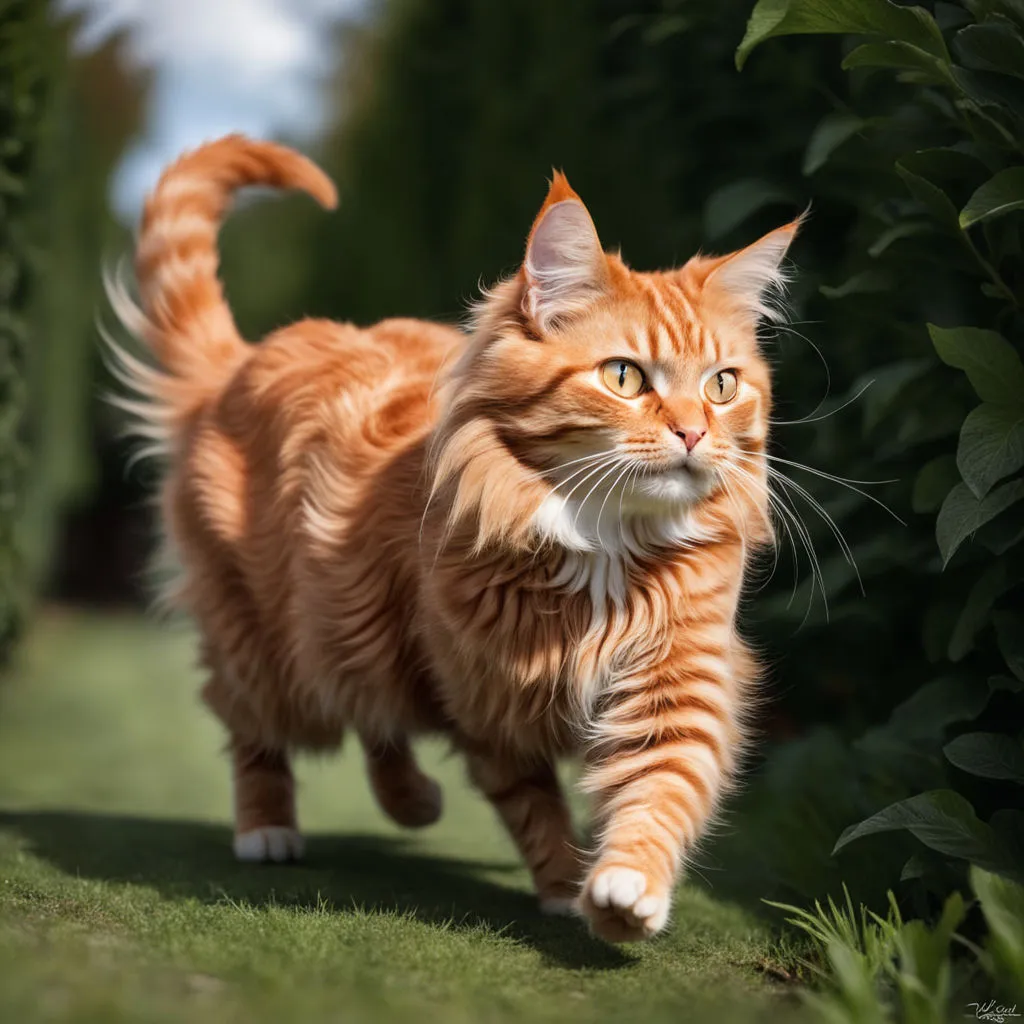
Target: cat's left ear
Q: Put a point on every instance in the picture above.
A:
(750, 277)
(565, 267)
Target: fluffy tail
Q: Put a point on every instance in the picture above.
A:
(184, 320)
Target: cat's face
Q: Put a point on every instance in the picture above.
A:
(629, 394)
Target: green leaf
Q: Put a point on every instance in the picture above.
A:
(991, 446)
(831, 132)
(988, 754)
(903, 229)
(931, 708)
(991, 585)
(1001, 194)
(1010, 635)
(993, 92)
(993, 46)
(860, 17)
(896, 54)
(930, 196)
(732, 204)
(934, 481)
(989, 360)
(865, 282)
(962, 513)
(945, 822)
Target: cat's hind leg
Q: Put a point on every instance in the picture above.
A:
(265, 824)
(408, 796)
(529, 800)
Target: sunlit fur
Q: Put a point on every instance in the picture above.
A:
(402, 529)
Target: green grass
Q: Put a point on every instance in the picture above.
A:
(119, 899)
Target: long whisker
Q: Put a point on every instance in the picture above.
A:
(842, 481)
(584, 458)
(618, 480)
(745, 493)
(812, 418)
(789, 329)
(590, 471)
(611, 469)
(785, 481)
(788, 516)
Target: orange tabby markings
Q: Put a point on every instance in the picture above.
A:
(403, 530)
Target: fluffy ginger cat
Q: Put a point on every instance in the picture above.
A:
(531, 539)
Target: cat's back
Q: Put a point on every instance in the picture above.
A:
(309, 423)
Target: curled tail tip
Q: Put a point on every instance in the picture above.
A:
(236, 160)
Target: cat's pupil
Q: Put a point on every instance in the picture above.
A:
(622, 375)
(720, 380)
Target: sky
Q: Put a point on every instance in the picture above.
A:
(220, 66)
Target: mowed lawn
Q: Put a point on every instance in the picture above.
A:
(119, 898)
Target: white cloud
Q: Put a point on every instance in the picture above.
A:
(256, 66)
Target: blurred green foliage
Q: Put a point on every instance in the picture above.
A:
(25, 79)
(64, 121)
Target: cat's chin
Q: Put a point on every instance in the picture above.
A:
(671, 490)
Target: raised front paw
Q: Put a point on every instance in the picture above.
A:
(623, 904)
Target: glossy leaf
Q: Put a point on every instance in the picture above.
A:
(991, 446)
(991, 46)
(962, 513)
(900, 55)
(858, 17)
(1001, 194)
(945, 822)
(991, 755)
(990, 362)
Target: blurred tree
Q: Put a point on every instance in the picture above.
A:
(63, 123)
(76, 528)
(27, 76)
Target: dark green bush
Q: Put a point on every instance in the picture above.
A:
(26, 79)
(931, 124)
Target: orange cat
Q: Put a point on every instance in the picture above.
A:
(532, 539)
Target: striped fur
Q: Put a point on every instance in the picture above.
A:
(403, 530)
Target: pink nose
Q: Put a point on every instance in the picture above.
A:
(690, 436)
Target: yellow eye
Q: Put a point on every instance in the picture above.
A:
(623, 378)
(721, 387)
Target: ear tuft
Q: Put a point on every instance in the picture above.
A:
(565, 266)
(753, 276)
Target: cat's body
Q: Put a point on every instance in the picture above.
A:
(399, 530)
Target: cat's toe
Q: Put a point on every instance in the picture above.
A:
(622, 905)
(275, 843)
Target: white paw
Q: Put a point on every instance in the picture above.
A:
(619, 906)
(272, 842)
(558, 906)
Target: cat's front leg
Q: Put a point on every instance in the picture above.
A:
(665, 745)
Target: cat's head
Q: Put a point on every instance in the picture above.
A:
(592, 395)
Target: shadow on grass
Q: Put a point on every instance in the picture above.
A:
(185, 858)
